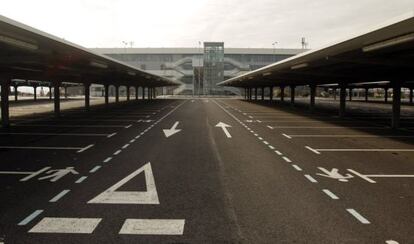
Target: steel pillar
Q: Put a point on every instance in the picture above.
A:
(350, 94)
(127, 92)
(411, 95)
(50, 92)
(5, 90)
(292, 95)
(143, 93)
(106, 94)
(282, 93)
(262, 93)
(366, 94)
(342, 100)
(15, 93)
(66, 92)
(386, 94)
(56, 93)
(396, 105)
(117, 94)
(34, 93)
(271, 93)
(312, 97)
(87, 87)
(255, 93)
(136, 93)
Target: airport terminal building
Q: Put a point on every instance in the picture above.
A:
(198, 70)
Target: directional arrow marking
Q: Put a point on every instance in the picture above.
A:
(172, 131)
(112, 196)
(224, 127)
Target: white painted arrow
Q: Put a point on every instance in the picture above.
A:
(224, 127)
(172, 131)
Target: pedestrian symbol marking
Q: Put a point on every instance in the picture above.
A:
(54, 175)
(112, 196)
(334, 174)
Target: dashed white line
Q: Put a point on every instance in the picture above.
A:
(287, 159)
(81, 179)
(278, 153)
(311, 179)
(391, 242)
(95, 169)
(260, 138)
(132, 141)
(125, 146)
(287, 136)
(271, 147)
(59, 196)
(330, 194)
(313, 150)
(107, 159)
(270, 127)
(29, 218)
(358, 216)
(265, 142)
(117, 152)
(296, 167)
(86, 148)
(111, 135)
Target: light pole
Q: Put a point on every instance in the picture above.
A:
(274, 50)
(199, 68)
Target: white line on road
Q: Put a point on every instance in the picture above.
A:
(363, 150)
(132, 141)
(329, 127)
(107, 159)
(59, 196)
(126, 127)
(330, 194)
(53, 134)
(125, 146)
(286, 136)
(86, 148)
(81, 179)
(278, 153)
(265, 142)
(111, 135)
(311, 179)
(313, 150)
(117, 152)
(391, 242)
(296, 167)
(153, 227)
(42, 148)
(287, 159)
(358, 216)
(356, 136)
(75, 126)
(95, 169)
(66, 225)
(260, 138)
(29, 218)
(270, 127)
(271, 147)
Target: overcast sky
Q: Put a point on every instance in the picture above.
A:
(183, 23)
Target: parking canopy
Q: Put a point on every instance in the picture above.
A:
(29, 54)
(383, 53)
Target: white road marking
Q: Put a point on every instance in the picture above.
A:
(86, 148)
(363, 150)
(29, 218)
(126, 127)
(125, 146)
(260, 138)
(311, 179)
(286, 136)
(111, 135)
(117, 152)
(132, 141)
(265, 142)
(81, 179)
(251, 117)
(353, 136)
(271, 147)
(95, 169)
(329, 127)
(358, 216)
(153, 227)
(287, 159)
(75, 126)
(330, 194)
(278, 153)
(59, 196)
(52, 134)
(173, 130)
(224, 127)
(296, 167)
(270, 127)
(312, 150)
(112, 196)
(391, 242)
(66, 225)
(107, 159)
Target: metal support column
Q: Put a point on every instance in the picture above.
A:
(312, 97)
(87, 87)
(106, 94)
(292, 95)
(255, 93)
(16, 94)
(350, 94)
(262, 93)
(366, 94)
(386, 94)
(50, 92)
(143, 93)
(34, 93)
(127, 92)
(136, 93)
(334, 93)
(56, 93)
(5, 90)
(271, 93)
(282, 93)
(66, 92)
(117, 94)
(342, 100)
(396, 105)
(411, 95)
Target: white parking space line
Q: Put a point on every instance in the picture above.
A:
(107, 159)
(41, 148)
(311, 179)
(312, 150)
(66, 225)
(29, 218)
(278, 153)
(125, 146)
(363, 150)
(81, 179)
(265, 142)
(117, 152)
(69, 126)
(296, 167)
(153, 227)
(351, 136)
(271, 147)
(287, 159)
(330, 194)
(328, 127)
(59, 196)
(86, 148)
(358, 216)
(95, 169)
(286, 136)
(111, 135)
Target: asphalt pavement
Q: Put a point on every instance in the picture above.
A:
(206, 170)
